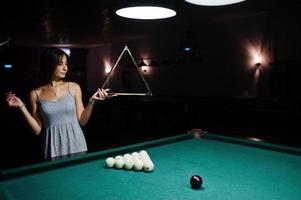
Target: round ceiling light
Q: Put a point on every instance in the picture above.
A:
(213, 2)
(146, 12)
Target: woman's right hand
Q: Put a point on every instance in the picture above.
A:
(13, 100)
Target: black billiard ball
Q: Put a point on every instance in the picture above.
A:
(196, 181)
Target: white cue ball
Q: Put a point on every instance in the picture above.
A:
(110, 162)
(119, 162)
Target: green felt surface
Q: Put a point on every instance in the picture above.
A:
(229, 170)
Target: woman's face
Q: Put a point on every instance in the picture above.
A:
(61, 68)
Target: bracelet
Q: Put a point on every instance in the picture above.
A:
(91, 101)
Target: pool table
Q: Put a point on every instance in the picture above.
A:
(231, 168)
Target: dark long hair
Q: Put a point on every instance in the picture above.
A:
(49, 60)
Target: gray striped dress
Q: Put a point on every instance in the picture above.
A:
(63, 134)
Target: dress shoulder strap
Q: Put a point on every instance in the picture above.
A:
(37, 94)
(69, 87)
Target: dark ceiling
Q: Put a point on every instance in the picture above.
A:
(94, 22)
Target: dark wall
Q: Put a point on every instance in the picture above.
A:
(221, 63)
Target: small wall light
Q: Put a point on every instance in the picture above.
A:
(257, 61)
(144, 69)
(142, 64)
(107, 69)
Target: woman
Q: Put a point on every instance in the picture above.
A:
(57, 107)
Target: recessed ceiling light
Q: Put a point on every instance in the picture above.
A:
(146, 12)
(213, 2)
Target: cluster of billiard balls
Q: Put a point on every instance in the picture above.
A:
(196, 181)
(138, 161)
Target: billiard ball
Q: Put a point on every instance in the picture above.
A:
(128, 161)
(138, 164)
(110, 162)
(196, 181)
(148, 164)
(119, 162)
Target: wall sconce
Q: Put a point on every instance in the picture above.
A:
(257, 61)
(144, 68)
(142, 64)
(107, 69)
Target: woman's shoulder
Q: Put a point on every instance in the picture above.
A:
(74, 88)
(73, 85)
(36, 92)
(38, 89)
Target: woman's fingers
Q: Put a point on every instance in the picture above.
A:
(10, 97)
(102, 93)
